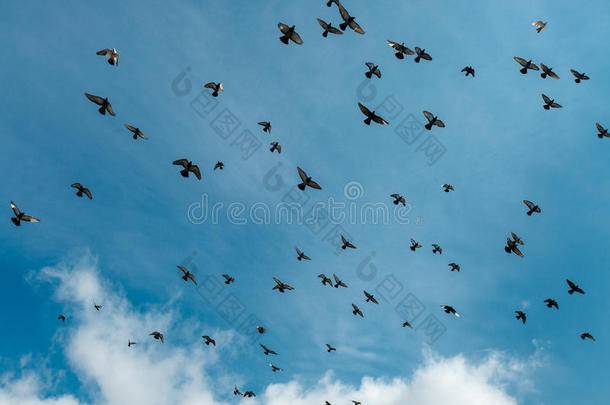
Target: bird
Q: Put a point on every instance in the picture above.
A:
(547, 71)
(356, 402)
(266, 126)
(330, 2)
(82, 190)
(437, 248)
(521, 315)
(157, 336)
(275, 146)
(97, 307)
(260, 329)
(216, 87)
(328, 27)
(449, 310)
(228, 279)
(188, 167)
(548, 103)
(602, 131)
(136, 132)
(540, 25)
(281, 287)
(447, 187)
(249, 394)
(266, 349)
(511, 245)
(348, 20)
(579, 76)
(130, 343)
(338, 282)
(346, 243)
(102, 102)
(20, 216)
(406, 323)
(532, 207)
(370, 298)
(421, 54)
(306, 181)
(274, 368)
(574, 288)
(401, 49)
(301, 255)
(187, 274)
(62, 318)
(289, 34)
(550, 303)
(112, 54)
(370, 115)
(526, 64)
(219, 165)
(414, 245)
(325, 280)
(469, 71)
(587, 335)
(454, 266)
(357, 311)
(398, 199)
(236, 391)
(373, 70)
(432, 120)
(330, 348)
(208, 340)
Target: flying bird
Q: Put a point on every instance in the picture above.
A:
(330, 348)
(82, 190)
(260, 329)
(447, 187)
(401, 49)
(330, 2)
(421, 54)
(414, 245)
(357, 311)
(301, 255)
(532, 207)
(219, 165)
(236, 391)
(356, 402)
(187, 275)
(281, 287)
(20, 216)
(249, 394)
(437, 248)
(275, 146)
(266, 126)
(111, 54)
(188, 167)
(454, 267)
(587, 335)
(328, 27)
(157, 336)
(130, 343)
(289, 34)
(521, 315)
(102, 102)
(406, 323)
(346, 243)
(325, 280)
(62, 318)
(306, 181)
(449, 310)
(398, 199)
(208, 340)
(370, 298)
(348, 20)
(574, 288)
(548, 103)
(540, 26)
(432, 120)
(338, 282)
(602, 131)
(579, 76)
(469, 71)
(216, 87)
(511, 245)
(526, 64)
(550, 303)
(266, 349)
(136, 132)
(547, 71)
(370, 115)
(373, 70)
(274, 368)
(228, 279)
(97, 307)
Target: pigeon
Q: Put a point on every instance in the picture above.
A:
(602, 131)
(130, 343)
(330, 348)
(208, 340)
(219, 165)
(370, 298)
(188, 167)
(103, 102)
(266, 349)
(236, 391)
(447, 187)
(260, 329)
(348, 20)
(401, 49)
(398, 199)
(275, 147)
(357, 311)
(328, 28)
(82, 190)
(187, 275)
(274, 368)
(325, 280)
(511, 245)
(373, 70)
(449, 310)
(432, 120)
(469, 71)
(406, 323)
(157, 336)
(97, 307)
(62, 318)
(112, 54)
(216, 87)
(421, 54)
(548, 103)
(249, 394)
(228, 279)
(338, 282)
(281, 287)
(414, 245)
(346, 243)
(550, 303)
(306, 181)
(521, 315)
(539, 26)
(437, 248)
(579, 76)
(289, 34)
(526, 64)
(587, 335)
(574, 288)
(532, 207)
(20, 216)
(136, 132)
(454, 266)
(371, 116)
(301, 255)
(547, 71)
(266, 126)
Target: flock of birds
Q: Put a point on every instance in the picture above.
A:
(290, 34)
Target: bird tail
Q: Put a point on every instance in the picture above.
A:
(135, 136)
(325, 34)
(16, 221)
(184, 173)
(284, 39)
(330, 3)
(577, 80)
(367, 121)
(523, 71)
(506, 249)
(102, 110)
(399, 55)
(571, 292)
(215, 94)
(428, 126)
(546, 107)
(368, 75)
(529, 213)
(395, 202)
(343, 26)
(79, 193)
(301, 186)
(417, 59)
(184, 278)
(543, 75)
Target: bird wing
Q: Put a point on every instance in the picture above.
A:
(344, 14)
(315, 185)
(88, 193)
(192, 278)
(571, 284)
(418, 50)
(129, 127)
(302, 174)
(533, 66)
(109, 109)
(342, 238)
(413, 241)
(296, 38)
(29, 218)
(287, 287)
(537, 23)
(195, 169)
(516, 250)
(520, 61)
(210, 85)
(263, 123)
(356, 27)
(394, 45)
(283, 28)
(349, 244)
(556, 105)
(96, 99)
(106, 52)
(575, 73)
(429, 116)
(279, 149)
(180, 162)
(374, 300)
(184, 270)
(298, 251)
(364, 110)
(306, 257)
(278, 282)
(529, 204)
(426, 56)
(546, 99)
(337, 279)
(439, 123)
(335, 30)
(370, 65)
(323, 24)
(599, 127)
(380, 120)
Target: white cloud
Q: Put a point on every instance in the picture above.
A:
(95, 345)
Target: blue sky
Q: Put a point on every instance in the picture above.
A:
(501, 148)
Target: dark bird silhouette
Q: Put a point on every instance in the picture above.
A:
(328, 27)
(330, 2)
(414, 245)
(469, 71)
(437, 248)
(62, 318)
(266, 126)
(526, 64)
(398, 199)
(579, 76)
(370, 298)
(274, 368)
(373, 70)
(187, 275)
(208, 340)
(103, 102)
(97, 307)
(20, 216)
(289, 34)
(550, 303)
(136, 132)
(432, 120)
(548, 103)
(188, 167)
(547, 71)
(306, 181)
(346, 243)
(266, 349)
(330, 348)
(357, 311)
(301, 255)
(454, 266)
(447, 187)
(130, 343)
(111, 54)
(371, 116)
(449, 310)
(275, 146)
(406, 323)
(401, 49)
(574, 288)
(236, 391)
(157, 336)
(260, 329)
(356, 402)
(219, 165)
(511, 245)
(587, 335)
(602, 131)
(421, 54)
(540, 26)
(521, 315)
(348, 20)
(216, 87)
(338, 282)
(81, 190)
(249, 394)
(325, 280)
(532, 207)
(281, 287)
(228, 279)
